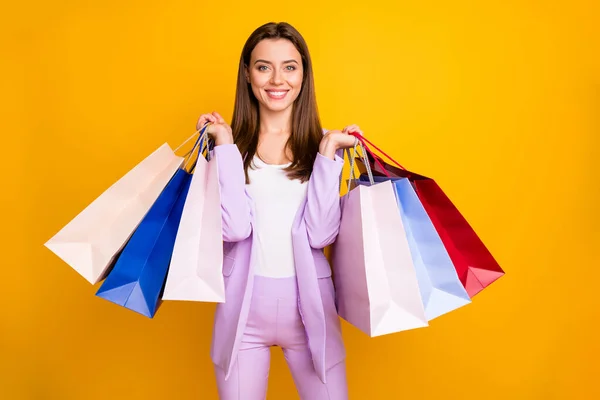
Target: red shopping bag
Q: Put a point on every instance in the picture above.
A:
(475, 265)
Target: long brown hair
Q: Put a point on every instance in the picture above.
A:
(306, 132)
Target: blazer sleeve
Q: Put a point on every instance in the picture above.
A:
(235, 202)
(322, 213)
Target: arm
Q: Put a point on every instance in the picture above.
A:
(235, 203)
(322, 212)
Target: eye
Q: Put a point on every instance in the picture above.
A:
(262, 67)
(290, 68)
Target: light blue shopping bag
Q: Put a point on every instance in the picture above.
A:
(441, 289)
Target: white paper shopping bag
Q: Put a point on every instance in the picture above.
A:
(196, 269)
(374, 275)
(90, 242)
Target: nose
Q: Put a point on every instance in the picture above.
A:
(276, 78)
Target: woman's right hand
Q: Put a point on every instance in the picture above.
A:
(218, 129)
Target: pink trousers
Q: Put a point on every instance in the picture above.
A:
(274, 320)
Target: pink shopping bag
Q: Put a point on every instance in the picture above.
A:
(375, 279)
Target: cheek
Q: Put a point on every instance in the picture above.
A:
(296, 80)
(255, 89)
(259, 80)
(255, 86)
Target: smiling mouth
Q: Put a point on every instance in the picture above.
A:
(277, 94)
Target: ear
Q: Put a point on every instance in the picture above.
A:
(247, 73)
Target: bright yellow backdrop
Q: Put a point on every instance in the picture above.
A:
(498, 100)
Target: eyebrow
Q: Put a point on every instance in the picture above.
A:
(269, 62)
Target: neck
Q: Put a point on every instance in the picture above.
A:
(276, 122)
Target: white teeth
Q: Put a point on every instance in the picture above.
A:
(277, 93)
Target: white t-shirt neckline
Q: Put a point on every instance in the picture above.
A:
(260, 163)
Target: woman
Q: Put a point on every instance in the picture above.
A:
(279, 177)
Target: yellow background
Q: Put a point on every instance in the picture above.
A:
(499, 101)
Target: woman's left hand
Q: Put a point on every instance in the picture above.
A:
(334, 140)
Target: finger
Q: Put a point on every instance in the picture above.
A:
(349, 128)
(220, 119)
(204, 118)
(353, 128)
(211, 118)
(210, 130)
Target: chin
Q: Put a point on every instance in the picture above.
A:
(277, 107)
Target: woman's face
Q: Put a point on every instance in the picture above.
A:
(275, 73)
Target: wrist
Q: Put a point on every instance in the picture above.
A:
(328, 148)
(223, 139)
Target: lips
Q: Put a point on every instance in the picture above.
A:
(277, 94)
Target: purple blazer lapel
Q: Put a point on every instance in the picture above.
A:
(321, 208)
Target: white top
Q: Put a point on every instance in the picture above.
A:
(276, 202)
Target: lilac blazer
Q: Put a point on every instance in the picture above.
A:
(316, 225)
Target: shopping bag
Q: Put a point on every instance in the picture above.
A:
(90, 242)
(375, 279)
(440, 287)
(196, 270)
(137, 280)
(474, 263)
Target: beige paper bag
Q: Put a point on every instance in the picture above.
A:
(90, 242)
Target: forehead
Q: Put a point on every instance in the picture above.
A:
(275, 50)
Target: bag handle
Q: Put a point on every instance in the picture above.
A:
(187, 140)
(203, 145)
(363, 140)
(352, 158)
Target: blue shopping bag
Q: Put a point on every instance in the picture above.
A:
(137, 279)
(440, 286)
